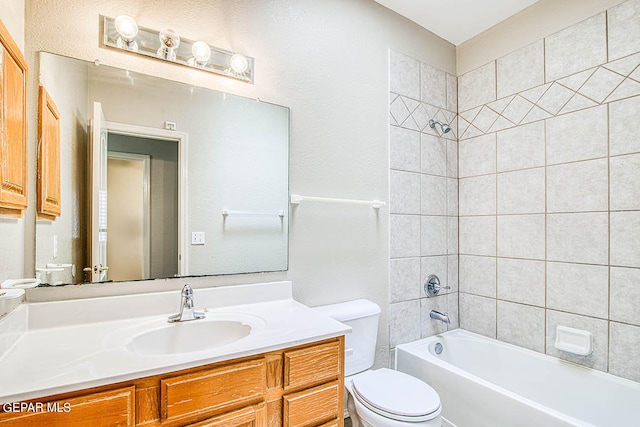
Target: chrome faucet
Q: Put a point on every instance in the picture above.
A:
(443, 317)
(187, 311)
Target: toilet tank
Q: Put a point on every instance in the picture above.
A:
(360, 345)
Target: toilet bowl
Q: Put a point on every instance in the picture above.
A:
(382, 397)
(387, 398)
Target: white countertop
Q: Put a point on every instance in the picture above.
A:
(57, 347)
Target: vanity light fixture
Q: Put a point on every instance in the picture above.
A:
(124, 33)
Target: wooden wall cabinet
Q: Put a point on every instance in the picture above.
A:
(284, 388)
(13, 127)
(48, 157)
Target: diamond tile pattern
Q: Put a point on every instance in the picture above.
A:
(500, 124)
(485, 118)
(516, 111)
(412, 114)
(575, 81)
(578, 102)
(499, 105)
(624, 66)
(555, 98)
(626, 89)
(536, 93)
(601, 84)
(610, 82)
(399, 110)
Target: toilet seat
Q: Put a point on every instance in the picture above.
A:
(396, 395)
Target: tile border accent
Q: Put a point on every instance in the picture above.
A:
(603, 84)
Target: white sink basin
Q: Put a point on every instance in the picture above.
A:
(191, 336)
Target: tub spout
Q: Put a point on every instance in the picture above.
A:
(436, 315)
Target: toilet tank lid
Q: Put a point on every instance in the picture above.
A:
(345, 311)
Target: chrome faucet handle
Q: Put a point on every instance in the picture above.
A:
(187, 311)
(187, 291)
(174, 318)
(187, 296)
(432, 286)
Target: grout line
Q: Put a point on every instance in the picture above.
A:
(540, 213)
(606, 43)
(458, 213)
(546, 165)
(546, 256)
(620, 322)
(495, 289)
(542, 260)
(608, 234)
(538, 260)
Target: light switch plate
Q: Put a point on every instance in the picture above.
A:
(197, 238)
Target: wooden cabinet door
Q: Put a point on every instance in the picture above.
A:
(13, 127)
(189, 397)
(48, 157)
(313, 407)
(254, 416)
(114, 408)
(312, 365)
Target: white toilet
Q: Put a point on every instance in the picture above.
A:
(384, 397)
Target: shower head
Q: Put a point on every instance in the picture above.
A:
(444, 128)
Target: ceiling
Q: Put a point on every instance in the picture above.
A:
(457, 20)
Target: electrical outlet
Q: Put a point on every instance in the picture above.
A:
(197, 238)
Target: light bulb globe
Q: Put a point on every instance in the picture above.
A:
(201, 52)
(238, 63)
(169, 39)
(126, 27)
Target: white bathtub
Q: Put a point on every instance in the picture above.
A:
(484, 382)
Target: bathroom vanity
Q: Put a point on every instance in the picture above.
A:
(287, 370)
(298, 386)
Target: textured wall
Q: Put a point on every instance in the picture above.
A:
(12, 15)
(328, 62)
(549, 198)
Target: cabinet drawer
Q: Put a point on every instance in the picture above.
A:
(312, 365)
(254, 416)
(108, 408)
(213, 391)
(313, 407)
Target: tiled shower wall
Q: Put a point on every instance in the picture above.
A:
(423, 198)
(549, 168)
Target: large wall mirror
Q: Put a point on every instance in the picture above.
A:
(161, 179)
